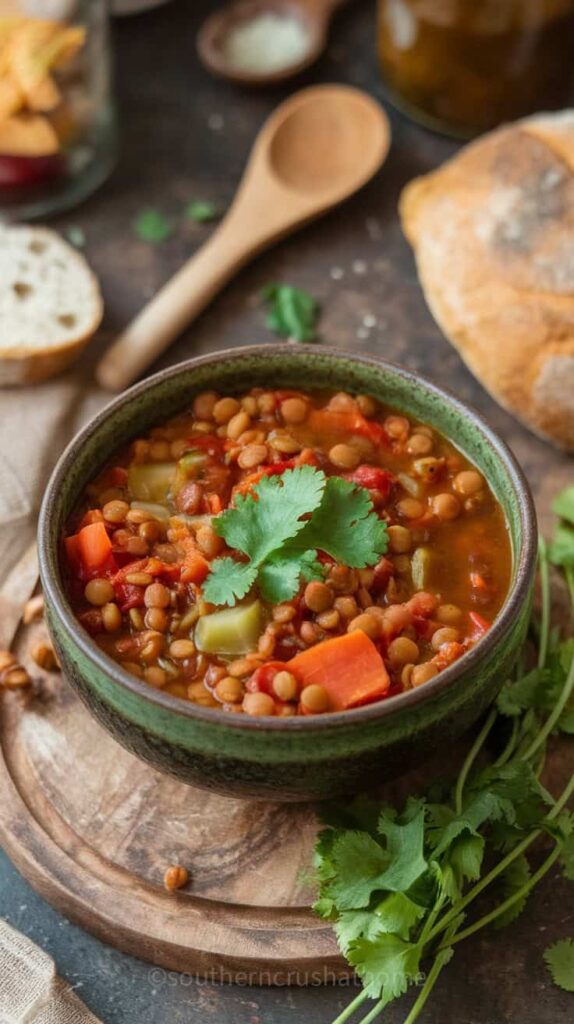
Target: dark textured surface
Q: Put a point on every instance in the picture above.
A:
(186, 136)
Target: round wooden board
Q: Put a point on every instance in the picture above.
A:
(93, 830)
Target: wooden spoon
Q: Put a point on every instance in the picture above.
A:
(313, 16)
(315, 150)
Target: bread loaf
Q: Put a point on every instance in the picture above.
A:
(493, 235)
(50, 304)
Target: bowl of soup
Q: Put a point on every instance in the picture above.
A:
(286, 572)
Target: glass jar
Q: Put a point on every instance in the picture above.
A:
(57, 119)
(464, 66)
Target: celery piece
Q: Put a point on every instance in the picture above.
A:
(233, 631)
(420, 567)
(153, 509)
(152, 481)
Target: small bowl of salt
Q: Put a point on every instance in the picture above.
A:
(263, 42)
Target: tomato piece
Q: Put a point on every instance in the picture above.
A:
(262, 679)
(480, 626)
(373, 478)
(128, 595)
(209, 443)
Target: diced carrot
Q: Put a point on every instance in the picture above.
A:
(349, 668)
(478, 582)
(90, 550)
(215, 504)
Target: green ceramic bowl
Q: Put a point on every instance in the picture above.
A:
(286, 758)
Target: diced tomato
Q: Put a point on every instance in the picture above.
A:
(326, 422)
(348, 667)
(448, 654)
(326, 559)
(422, 604)
(479, 626)
(92, 621)
(195, 567)
(209, 443)
(262, 679)
(128, 595)
(118, 476)
(373, 478)
(215, 504)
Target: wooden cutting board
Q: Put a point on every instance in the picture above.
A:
(93, 830)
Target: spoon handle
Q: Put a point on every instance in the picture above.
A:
(262, 212)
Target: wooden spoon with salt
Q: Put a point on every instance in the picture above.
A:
(316, 149)
(242, 41)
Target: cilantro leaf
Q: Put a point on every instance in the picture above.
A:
(513, 879)
(563, 505)
(404, 848)
(151, 226)
(560, 962)
(386, 965)
(292, 312)
(398, 914)
(264, 519)
(346, 526)
(229, 581)
(465, 856)
(356, 924)
(201, 211)
(561, 550)
(358, 862)
(363, 812)
(278, 578)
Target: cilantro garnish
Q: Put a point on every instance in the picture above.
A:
(271, 527)
(293, 312)
(151, 226)
(560, 962)
(398, 884)
(201, 211)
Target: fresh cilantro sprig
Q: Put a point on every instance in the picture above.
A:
(293, 312)
(397, 884)
(279, 527)
(560, 962)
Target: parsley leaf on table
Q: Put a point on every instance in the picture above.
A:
(560, 962)
(151, 226)
(271, 527)
(201, 211)
(292, 312)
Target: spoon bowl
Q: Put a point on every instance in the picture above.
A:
(313, 18)
(317, 149)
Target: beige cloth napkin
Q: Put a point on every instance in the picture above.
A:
(30, 990)
(35, 425)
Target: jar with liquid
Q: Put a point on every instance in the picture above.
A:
(464, 66)
(57, 123)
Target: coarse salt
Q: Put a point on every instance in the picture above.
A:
(267, 43)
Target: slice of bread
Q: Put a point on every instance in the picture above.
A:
(493, 234)
(50, 304)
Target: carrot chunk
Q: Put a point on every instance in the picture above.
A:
(90, 547)
(348, 667)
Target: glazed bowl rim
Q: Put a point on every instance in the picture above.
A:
(525, 558)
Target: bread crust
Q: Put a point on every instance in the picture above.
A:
(493, 235)
(24, 365)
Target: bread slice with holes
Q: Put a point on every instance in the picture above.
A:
(50, 304)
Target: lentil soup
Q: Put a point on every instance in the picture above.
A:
(284, 552)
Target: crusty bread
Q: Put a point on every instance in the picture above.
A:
(50, 304)
(493, 234)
